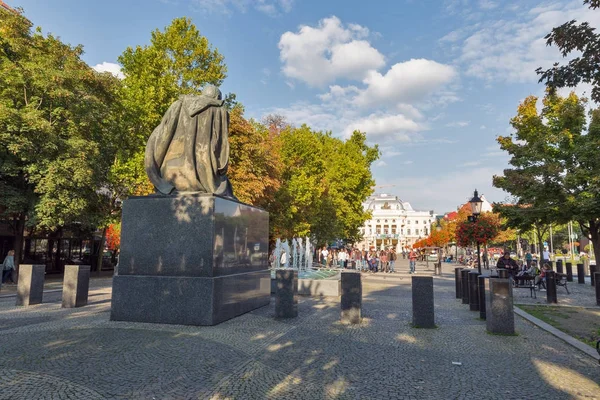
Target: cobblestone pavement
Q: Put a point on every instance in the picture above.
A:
(54, 353)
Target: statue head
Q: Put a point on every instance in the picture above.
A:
(212, 91)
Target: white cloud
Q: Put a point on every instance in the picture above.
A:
(511, 49)
(322, 54)
(487, 4)
(407, 162)
(458, 124)
(380, 163)
(386, 127)
(471, 164)
(113, 68)
(482, 127)
(272, 8)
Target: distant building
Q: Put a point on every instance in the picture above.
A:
(394, 223)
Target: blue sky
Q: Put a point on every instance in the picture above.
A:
(432, 82)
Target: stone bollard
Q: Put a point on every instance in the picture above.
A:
(438, 268)
(30, 287)
(499, 306)
(580, 273)
(593, 270)
(473, 291)
(559, 267)
(464, 285)
(502, 273)
(422, 302)
(551, 287)
(457, 281)
(286, 300)
(569, 267)
(351, 301)
(76, 284)
(481, 291)
(597, 280)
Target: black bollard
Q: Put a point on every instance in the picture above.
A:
(473, 291)
(597, 280)
(569, 272)
(580, 273)
(422, 302)
(593, 270)
(481, 288)
(464, 284)
(457, 280)
(551, 287)
(559, 267)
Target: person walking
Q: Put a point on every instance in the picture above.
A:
(528, 258)
(392, 259)
(8, 267)
(412, 261)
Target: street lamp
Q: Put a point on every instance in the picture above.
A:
(476, 204)
(438, 226)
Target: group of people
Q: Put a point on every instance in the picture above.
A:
(362, 260)
(520, 270)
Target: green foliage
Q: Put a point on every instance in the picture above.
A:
(582, 39)
(55, 128)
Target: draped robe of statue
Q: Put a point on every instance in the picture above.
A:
(189, 150)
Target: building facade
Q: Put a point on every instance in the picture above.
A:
(394, 223)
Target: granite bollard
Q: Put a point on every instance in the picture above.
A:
(569, 268)
(481, 291)
(422, 302)
(580, 274)
(76, 284)
(502, 273)
(593, 270)
(597, 280)
(30, 287)
(551, 287)
(457, 281)
(286, 299)
(559, 266)
(473, 291)
(464, 284)
(500, 318)
(351, 301)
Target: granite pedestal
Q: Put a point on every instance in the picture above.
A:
(457, 281)
(500, 318)
(76, 284)
(190, 259)
(502, 273)
(351, 301)
(481, 291)
(464, 285)
(580, 274)
(286, 300)
(569, 268)
(422, 302)
(30, 287)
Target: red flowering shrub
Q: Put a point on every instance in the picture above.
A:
(485, 229)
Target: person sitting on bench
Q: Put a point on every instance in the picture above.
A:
(540, 280)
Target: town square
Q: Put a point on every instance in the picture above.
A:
(286, 199)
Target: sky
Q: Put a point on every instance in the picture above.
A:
(433, 83)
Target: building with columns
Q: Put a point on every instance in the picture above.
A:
(393, 223)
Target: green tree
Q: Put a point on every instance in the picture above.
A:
(55, 130)
(583, 39)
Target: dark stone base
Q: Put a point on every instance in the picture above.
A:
(500, 318)
(286, 301)
(30, 287)
(422, 302)
(351, 301)
(188, 300)
(76, 284)
(473, 291)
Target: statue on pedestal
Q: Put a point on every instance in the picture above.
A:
(189, 150)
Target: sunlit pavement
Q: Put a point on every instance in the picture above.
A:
(49, 352)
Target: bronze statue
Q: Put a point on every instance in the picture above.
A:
(189, 150)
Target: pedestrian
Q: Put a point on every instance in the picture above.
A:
(324, 254)
(392, 259)
(8, 267)
(384, 261)
(412, 261)
(528, 258)
(545, 256)
(486, 260)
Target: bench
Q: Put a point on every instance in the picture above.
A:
(561, 280)
(525, 282)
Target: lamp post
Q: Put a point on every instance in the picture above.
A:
(476, 204)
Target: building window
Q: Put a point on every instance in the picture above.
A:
(393, 230)
(408, 231)
(425, 231)
(408, 222)
(417, 221)
(385, 221)
(378, 221)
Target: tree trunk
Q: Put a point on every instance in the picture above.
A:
(595, 234)
(101, 250)
(19, 233)
(540, 245)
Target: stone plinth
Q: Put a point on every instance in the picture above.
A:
(190, 259)
(76, 284)
(569, 268)
(457, 281)
(500, 318)
(464, 285)
(286, 301)
(351, 301)
(30, 287)
(422, 302)
(473, 291)
(502, 273)
(597, 280)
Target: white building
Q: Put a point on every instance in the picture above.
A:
(393, 223)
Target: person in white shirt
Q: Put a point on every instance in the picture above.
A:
(546, 256)
(324, 254)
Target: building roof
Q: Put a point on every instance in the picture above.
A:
(6, 6)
